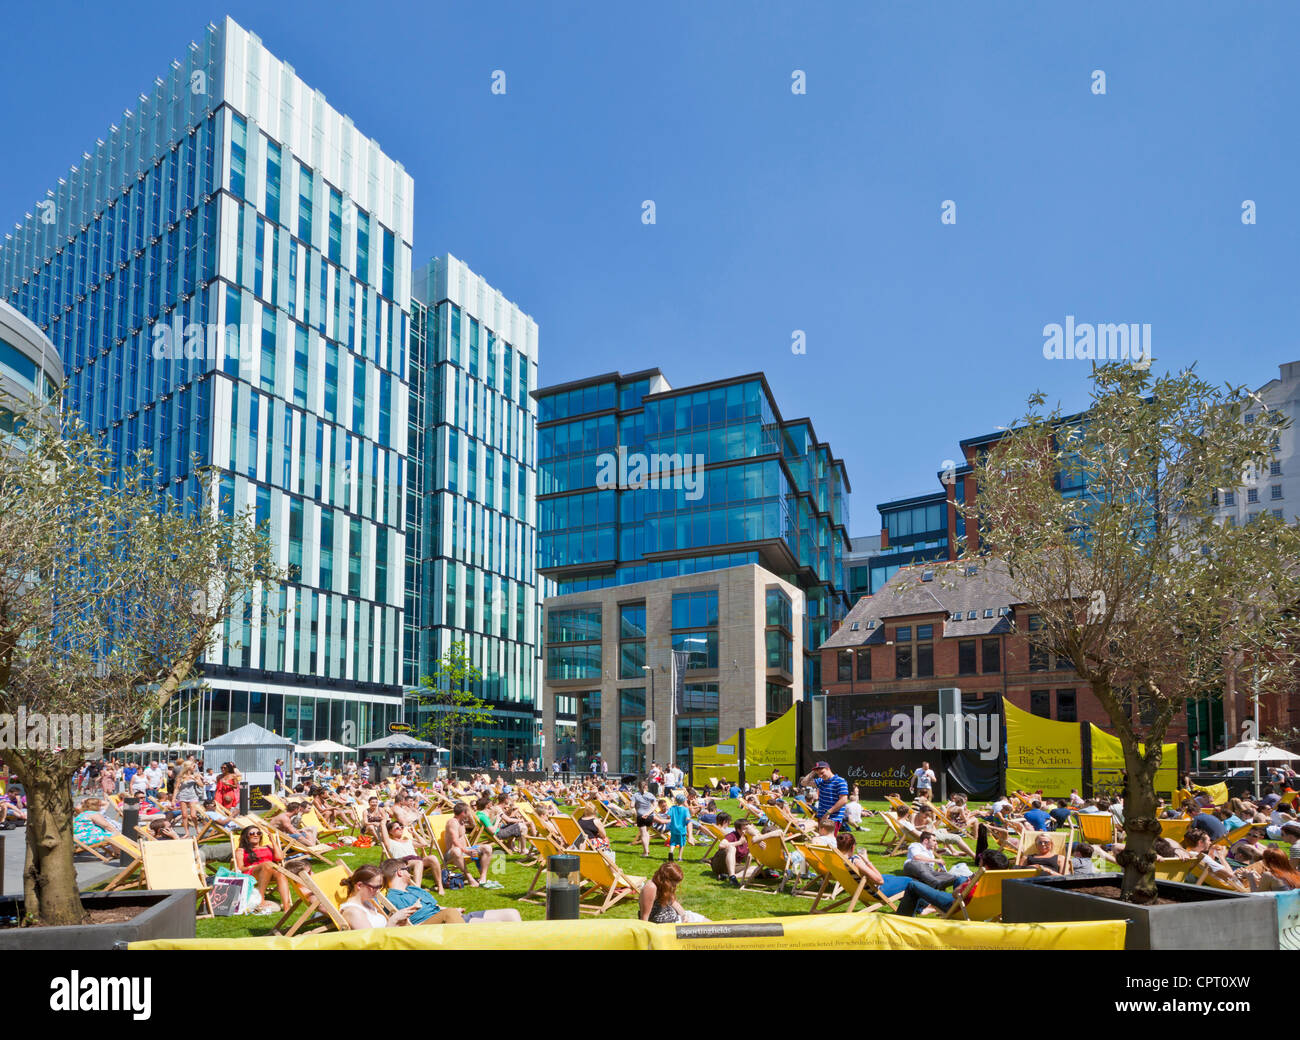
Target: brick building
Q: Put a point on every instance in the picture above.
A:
(957, 624)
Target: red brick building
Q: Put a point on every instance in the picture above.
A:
(957, 624)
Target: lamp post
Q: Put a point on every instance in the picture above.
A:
(654, 735)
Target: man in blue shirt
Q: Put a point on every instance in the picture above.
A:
(1036, 818)
(403, 892)
(1061, 814)
(1210, 823)
(832, 793)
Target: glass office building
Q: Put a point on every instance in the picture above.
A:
(227, 278)
(471, 545)
(639, 481)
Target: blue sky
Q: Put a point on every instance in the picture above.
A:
(777, 212)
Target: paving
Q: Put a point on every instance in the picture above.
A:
(90, 871)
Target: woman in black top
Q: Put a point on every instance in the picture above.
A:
(596, 838)
(1044, 859)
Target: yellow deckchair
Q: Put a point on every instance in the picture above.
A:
(126, 878)
(175, 864)
(1062, 845)
(321, 894)
(544, 848)
(1096, 828)
(569, 830)
(716, 836)
(769, 853)
(607, 880)
(836, 874)
(1173, 868)
(985, 901)
(1174, 830)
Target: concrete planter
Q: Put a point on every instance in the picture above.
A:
(1204, 919)
(170, 915)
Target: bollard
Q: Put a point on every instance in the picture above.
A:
(130, 820)
(243, 799)
(562, 888)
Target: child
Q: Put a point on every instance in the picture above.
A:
(679, 825)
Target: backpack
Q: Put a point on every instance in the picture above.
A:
(452, 879)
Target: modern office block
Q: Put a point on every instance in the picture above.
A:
(227, 278)
(472, 501)
(647, 493)
(30, 369)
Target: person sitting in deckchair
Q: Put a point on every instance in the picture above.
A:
(916, 894)
(289, 821)
(359, 908)
(90, 826)
(924, 821)
(404, 845)
(658, 898)
(1278, 874)
(733, 850)
(1047, 861)
(403, 892)
(460, 852)
(1213, 858)
(256, 858)
(825, 835)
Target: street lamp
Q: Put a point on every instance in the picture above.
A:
(654, 735)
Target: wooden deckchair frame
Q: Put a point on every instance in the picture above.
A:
(763, 853)
(606, 879)
(175, 864)
(313, 894)
(1062, 845)
(982, 902)
(836, 873)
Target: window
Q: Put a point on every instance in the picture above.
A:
(695, 624)
(1275, 468)
(631, 634)
(1229, 498)
(1066, 709)
(1252, 495)
(914, 659)
(1040, 703)
(1275, 492)
(966, 657)
(903, 661)
(573, 644)
(864, 663)
(992, 656)
(845, 663)
(1278, 513)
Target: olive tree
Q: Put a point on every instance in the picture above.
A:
(1109, 526)
(111, 594)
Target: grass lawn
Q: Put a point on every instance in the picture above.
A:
(700, 891)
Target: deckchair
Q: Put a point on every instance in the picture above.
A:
(278, 840)
(836, 874)
(893, 839)
(896, 803)
(544, 848)
(716, 836)
(1062, 845)
(1174, 830)
(320, 851)
(781, 818)
(1200, 874)
(569, 830)
(769, 853)
(321, 894)
(984, 903)
(175, 864)
(1236, 834)
(93, 848)
(607, 880)
(311, 819)
(127, 877)
(212, 829)
(1172, 868)
(1096, 828)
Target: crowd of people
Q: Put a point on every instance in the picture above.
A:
(947, 845)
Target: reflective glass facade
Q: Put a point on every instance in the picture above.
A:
(471, 505)
(764, 491)
(205, 309)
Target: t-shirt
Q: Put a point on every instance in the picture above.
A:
(1037, 819)
(1212, 825)
(853, 813)
(678, 817)
(742, 847)
(1061, 815)
(828, 793)
(643, 804)
(918, 851)
(923, 778)
(401, 898)
(485, 820)
(733, 791)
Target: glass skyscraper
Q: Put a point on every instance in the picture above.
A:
(227, 279)
(769, 493)
(471, 500)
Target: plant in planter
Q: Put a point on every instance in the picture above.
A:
(1109, 526)
(110, 595)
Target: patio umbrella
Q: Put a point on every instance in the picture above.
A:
(328, 747)
(1252, 751)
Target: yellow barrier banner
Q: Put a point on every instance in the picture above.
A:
(859, 931)
(1042, 755)
(765, 747)
(1108, 765)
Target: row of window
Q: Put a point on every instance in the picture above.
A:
(914, 659)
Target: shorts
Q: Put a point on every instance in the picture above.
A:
(478, 850)
(412, 859)
(645, 821)
(510, 830)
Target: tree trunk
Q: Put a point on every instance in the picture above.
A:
(50, 879)
(1141, 828)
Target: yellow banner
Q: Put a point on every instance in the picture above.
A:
(1042, 755)
(822, 932)
(1108, 765)
(765, 747)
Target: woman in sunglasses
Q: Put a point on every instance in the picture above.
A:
(256, 857)
(359, 909)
